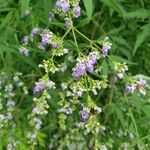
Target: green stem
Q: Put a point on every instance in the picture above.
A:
(66, 33)
(145, 137)
(109, 104)
(75, 39)
(134, 122)
(85, 37)
(132, 117)
(2, 58)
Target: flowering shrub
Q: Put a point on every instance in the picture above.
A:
(84, 98)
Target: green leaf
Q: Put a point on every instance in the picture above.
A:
(24, 4)
(119, 113)
(140, 13)
(104, 67)
(141, 37)
(146, 110)
(6, 20)
(83, 22)
(122, 60)
(48, 5)
(115, 6)
(89, 7)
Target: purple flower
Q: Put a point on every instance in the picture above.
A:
(46, 37)
(142, 82)
(68, 22)
(76, 10)
(130, 88)
(93, 57)
(55, 45)
(89, 66)
(39, 87)
(24, 51)
(65, 6)
(58, 4)
(62, 5)
(105, 49)
(141, 85)
(79, 70)
(84, 114)
(25, 40)
(34, 31)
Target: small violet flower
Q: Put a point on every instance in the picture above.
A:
(141, 85)
(24, 51)
(79, 70)
(25, 40)
(93, 57)
(34, 31)
(130, 88)
(39, 87)
(106, 47)
(65, 6)
(89, 66)
(46, 37)
(62, 5)
(142, 82)
(84, 114)
(76, 10)
(68, 23)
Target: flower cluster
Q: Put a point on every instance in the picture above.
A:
(12, 144)
(106, 47)
(56, 43)
(32, 138)
(34, 31)
(25, 40)
(7, 96)
(24, 51)
(85, 113)
(120, 69)
(8, 88)
(40, 106)
(65, 6)
(66, 109)
(46, 37)
(49, 66)
(88, 118)
(40, 86)
(47, 40)
(139, 85)
(38, 123)
(85, 65)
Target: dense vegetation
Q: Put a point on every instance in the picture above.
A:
(74, 74)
